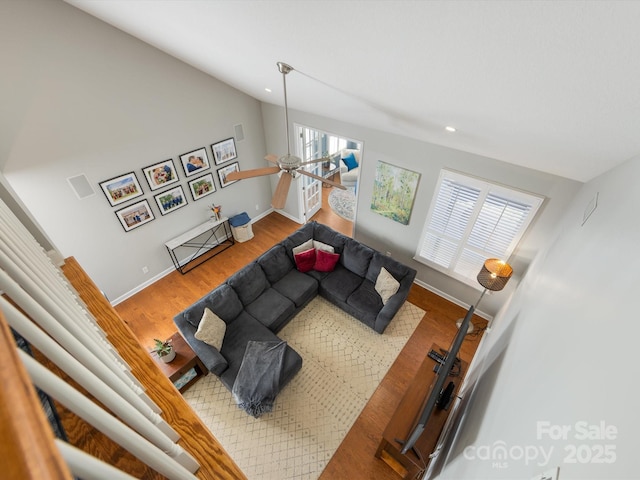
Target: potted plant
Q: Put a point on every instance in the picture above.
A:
(164, 350)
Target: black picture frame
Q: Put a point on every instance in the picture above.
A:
(224, 171)
(195, 161)
(224, 151)
(160, 174)
(121, 189)
(171, 200)
(202, 186)
(135, 215)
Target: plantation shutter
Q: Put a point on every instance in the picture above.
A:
(471, 220)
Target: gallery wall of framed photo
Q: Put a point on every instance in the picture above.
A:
(163, 179)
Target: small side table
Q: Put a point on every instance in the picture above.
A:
(186, 368)
(329, 172)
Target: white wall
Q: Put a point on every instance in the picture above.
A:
(428, 159)
(82, 97)
(567, 345)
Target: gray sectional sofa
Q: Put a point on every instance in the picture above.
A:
(260, 299)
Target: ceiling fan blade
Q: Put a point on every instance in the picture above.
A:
(271, 158)
(257, 172)
(323, 159)
(280, 195)
(324, 180)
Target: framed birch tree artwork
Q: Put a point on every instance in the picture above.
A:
(394, 191)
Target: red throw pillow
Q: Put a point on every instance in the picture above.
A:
(326, 261)
(305, 260)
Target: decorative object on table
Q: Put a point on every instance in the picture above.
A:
(195, 162)
(343, 203)
(202, 186)
(224, 172)
(394, 191)
(216, 209)
(135, 215)
(160, 174)
(224, 151)
(121, 189)
(171, 200)
(164, 350)
(288, 166)
(493, 275)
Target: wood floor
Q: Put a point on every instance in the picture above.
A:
(150, 313)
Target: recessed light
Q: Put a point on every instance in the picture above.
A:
(268, 90)
(450, 129)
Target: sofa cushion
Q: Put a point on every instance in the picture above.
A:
(211, 329)
(395, 268)
(297, 287)
(303, 247)
(235, 343)
(223, 301)
(325, 247)
(367, 302)
(249, 282)
(386, 285)
(298, 237)
(271, 309)
(339, 284)
(305, 260)
(326, 235)
(276, 263)
(356, 257)
(350, 161)
(325, 261)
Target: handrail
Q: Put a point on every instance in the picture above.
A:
(26, 439)
(214, 461)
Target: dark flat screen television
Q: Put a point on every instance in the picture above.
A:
(438, 388)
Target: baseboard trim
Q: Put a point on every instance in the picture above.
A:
(458, 302)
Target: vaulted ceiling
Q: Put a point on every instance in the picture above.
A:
(550, 85)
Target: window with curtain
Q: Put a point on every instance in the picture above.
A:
(470, 220)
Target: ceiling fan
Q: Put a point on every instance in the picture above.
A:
(288, 166)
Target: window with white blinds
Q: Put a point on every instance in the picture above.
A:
(471, 220)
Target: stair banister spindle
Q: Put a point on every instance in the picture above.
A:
(139, 417)
(103, 421)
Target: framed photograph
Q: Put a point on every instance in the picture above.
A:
(121, 189)
(224, 151)
(195, 162)
(394, 191)
(171, 200)
(224, 171)
(135, 215)
(202, 186)
(160, 174)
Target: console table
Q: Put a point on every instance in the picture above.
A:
(414, 462)
(213, 237)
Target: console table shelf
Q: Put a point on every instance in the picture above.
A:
(211, 237)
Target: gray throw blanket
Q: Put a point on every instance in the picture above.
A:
(258, 380)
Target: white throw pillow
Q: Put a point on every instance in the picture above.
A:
(323, 246)
(211, 329)
(386, 285)
(308, 245)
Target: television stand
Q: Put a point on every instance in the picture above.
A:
(412, 464)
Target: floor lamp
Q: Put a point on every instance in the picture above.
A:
(493, 276)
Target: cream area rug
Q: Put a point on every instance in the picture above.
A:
(343, 202)
(343, 362)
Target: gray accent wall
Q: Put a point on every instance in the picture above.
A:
(81, 97)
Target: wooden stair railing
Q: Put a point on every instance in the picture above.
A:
(26, 439)
(195, 438)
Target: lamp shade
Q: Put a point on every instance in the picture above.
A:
(495, 274)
